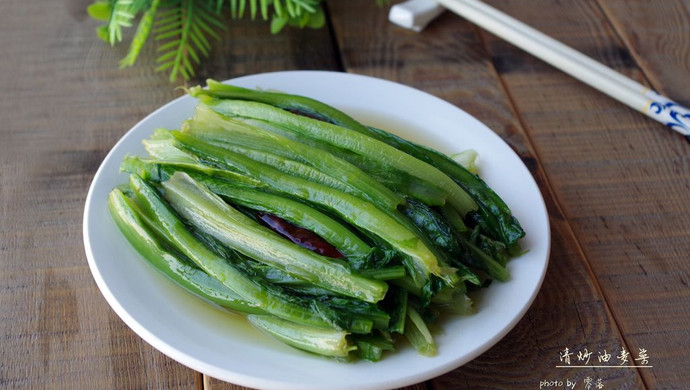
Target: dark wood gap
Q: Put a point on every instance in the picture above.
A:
(334, 40)
(201, 381)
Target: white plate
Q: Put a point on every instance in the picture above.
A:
(222, 345)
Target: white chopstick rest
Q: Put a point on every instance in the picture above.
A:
(415, 14)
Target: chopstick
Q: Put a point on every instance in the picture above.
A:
(574, 63)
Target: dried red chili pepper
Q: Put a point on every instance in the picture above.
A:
(300, 236)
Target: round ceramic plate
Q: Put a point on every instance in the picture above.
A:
(222, 345)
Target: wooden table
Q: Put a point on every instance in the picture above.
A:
(616, 183)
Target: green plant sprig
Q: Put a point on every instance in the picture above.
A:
(184, 29)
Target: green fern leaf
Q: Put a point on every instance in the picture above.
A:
(278, 23)
(278, 8)
(317, 19)
(207, 17)
(141, 35)
(121, 16)
(290, 9)
(264, 9)
(215, 4)
(140, 5)
(252, 9)
(100, 10)
(120, 13)
(184, 36)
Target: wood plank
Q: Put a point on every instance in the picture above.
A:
(449, 60)
(621, 179)
(67, 108)
(69, 105)
(656, 34)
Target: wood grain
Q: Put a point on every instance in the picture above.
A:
(622, 182)
(656, 34)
